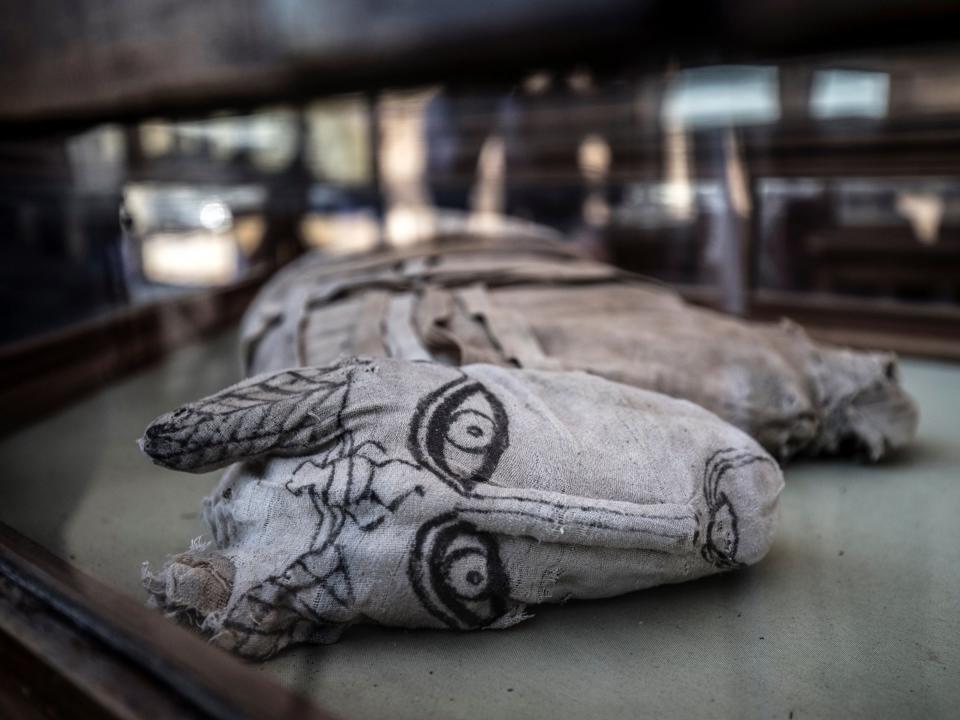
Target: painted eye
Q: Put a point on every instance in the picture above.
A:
(722, 531)
(470, 431)
(457, 573)
(459, 433)
(721, 536)
(465, 572)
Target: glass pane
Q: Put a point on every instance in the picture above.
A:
(824, 189)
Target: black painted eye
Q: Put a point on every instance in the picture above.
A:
(722, 538)
(470, 431)
(465, 571)
(722, 530)
(457, 573)
(459, 433)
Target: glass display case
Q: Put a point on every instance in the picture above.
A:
(159, 165)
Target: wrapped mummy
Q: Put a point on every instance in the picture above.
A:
(534, 304)
(420, 495)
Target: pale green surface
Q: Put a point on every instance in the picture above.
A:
(78, 484)
(855, 612)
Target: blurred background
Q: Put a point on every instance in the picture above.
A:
(826, 187)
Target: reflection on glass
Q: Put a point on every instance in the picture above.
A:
(849, 93)
(722, 95)
(193, 258)
(403, 161)
(189, 236)
(641, 170)
(924, 211)
(338, 144)
(214, 215)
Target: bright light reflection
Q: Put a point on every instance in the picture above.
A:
(722, 95)
(197, 258)
(215, 215)
(849, 93)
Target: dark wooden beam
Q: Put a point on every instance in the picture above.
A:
(81, 60)
(915, 329)
(71, 646)
(68, 61)
(40, 375)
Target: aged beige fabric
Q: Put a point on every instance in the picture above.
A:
(443, 435)
(424, 495)
(537, 305)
